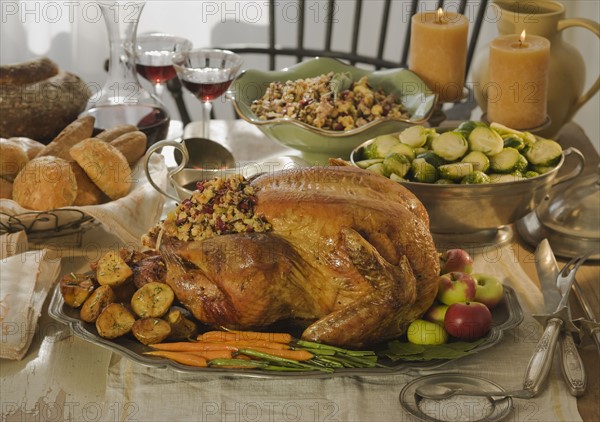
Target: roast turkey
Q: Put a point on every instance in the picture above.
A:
(349, 255)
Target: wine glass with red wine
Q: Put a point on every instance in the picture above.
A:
(154, 57)
(206, 73)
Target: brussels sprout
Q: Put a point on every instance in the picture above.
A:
(479, 160)
(420, 150)
(380, 147)
(475, 178)
(363, 164)
(396, 164)
(450, 146)
(397, 178)
(378, 168)
(455, 171)
(485, 140)
(542, 169)
(465, 128)
(444, 182)
(506, 161)
(515, 142)
(422, 171)
(432, 158)
(415, 136)
(403, 149)
(544, 152)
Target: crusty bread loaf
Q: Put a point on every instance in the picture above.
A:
(73, 133)
(104, 165)
(87, 191)
(12, 159)
(132, 145)
(111, 134)
(30, 146)
(37, 100)
(45, 183)
(28, 72)
(6, 188)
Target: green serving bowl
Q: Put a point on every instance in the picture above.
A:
(318, 145)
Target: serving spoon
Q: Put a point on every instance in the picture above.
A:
(441, 392)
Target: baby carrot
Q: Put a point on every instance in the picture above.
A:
(246, 335)
(190, 346)
(251, 343)
(180, 357)
(298, 355)
(213, 354)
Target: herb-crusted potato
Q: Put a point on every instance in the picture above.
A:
(112, 269)
(152, 300)
(98, 300)
(76, 288)
(151, 330)
(114, 321)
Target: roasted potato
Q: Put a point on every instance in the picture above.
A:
(76, 288)
(152, 300)
(151, 330)
(181, 327)
(112, 270)
(114, 321)
(98, 300)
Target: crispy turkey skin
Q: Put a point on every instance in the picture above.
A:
(350, 252)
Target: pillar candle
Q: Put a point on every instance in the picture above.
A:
(438, 52)
(518, 90)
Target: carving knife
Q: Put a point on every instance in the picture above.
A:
(570, 361)
(556, 321)
(591, 325)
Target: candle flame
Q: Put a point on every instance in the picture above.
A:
(439, 15)
(522, 38)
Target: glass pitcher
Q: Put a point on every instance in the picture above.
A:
(122, 99)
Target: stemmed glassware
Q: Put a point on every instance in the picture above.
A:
(154, 57)
(207, 73)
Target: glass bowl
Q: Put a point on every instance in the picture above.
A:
(317, 145)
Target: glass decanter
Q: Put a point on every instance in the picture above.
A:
(122, 99)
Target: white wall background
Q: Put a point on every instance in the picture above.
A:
(72, 33)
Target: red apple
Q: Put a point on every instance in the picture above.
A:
(436, 314)
(456, 260)
(488, 290)
(456, 287)
(468, 321)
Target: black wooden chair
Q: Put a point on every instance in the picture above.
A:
(289, 36)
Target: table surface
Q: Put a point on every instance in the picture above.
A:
(64, 375)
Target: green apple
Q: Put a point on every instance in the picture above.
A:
(426, 332)
(488, 290)
(436, 313)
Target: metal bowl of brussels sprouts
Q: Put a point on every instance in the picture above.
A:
(472, 178)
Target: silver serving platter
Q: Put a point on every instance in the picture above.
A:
(507, 315)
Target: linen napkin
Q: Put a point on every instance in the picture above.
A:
(25, 279)
(161, 394)
(128, 217)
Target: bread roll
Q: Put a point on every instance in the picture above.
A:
(6, 188)
(105, 165)
(38, 100)
(75, 132)
(132, 145)
(110, 135)
(45, 183)
(12, 159)
(87, 191)
(31, 147)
